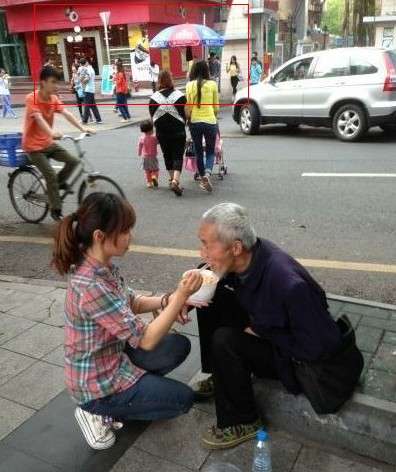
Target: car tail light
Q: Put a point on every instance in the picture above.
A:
(390, 81)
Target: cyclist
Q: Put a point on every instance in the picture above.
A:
(39, 135)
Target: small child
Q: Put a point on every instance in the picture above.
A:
(147, 148)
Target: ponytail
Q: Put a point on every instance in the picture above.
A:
(106, 212)
(67, 250)
(199, 87)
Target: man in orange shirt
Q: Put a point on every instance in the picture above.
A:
(38, 137)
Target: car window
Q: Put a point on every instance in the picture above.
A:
(332, 65)
(392, 56)
(298, 70)
(361, 66)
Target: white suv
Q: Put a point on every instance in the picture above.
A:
(347, 89)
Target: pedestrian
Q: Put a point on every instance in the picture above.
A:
(122, 92)
(5, 94)
(86, 75)
(202, 109)
(116, 364)
(255, 56)
(256, 72)
(167, 110)
(77, 89)
(154, 72)
(39, 136)
(268, 315)
(234, 71)
(49, 62)
(147, 149)
(214, 68)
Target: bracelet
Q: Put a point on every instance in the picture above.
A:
(165, 300)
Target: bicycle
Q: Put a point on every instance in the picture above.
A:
(27, 187)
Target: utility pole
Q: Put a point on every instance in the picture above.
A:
(290, 36)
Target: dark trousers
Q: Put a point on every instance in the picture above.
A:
(153, 397)
(172, 148)
(90, 105)
(234, 84)
(232, 356)
(198, 132)
(122, 105)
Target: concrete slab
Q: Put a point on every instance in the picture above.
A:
(10, 327)
(385, 359)
(312, 460)
(11, 416)
(389, 325)
(368, 338)
(37, 341)
(11, 364)
(36, 309)
(136, 460)
(379, 384)
(390, 337)
(177, 440)
(56, 357)
(367, 311)
(17, 461)
(36, 386)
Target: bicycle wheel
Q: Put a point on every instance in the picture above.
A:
(28, 195)
(98, 183)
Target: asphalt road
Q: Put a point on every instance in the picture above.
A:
(342, 219)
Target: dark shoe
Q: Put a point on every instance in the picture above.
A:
(203, 390)
(154, 180)
(66, 187)
(223, 438)
(56, 215)
(176, 189)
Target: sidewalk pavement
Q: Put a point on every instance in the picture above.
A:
(110, 119)
(38, 432)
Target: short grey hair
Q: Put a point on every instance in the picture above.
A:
(232, 223)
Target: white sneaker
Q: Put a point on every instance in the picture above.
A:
(98, 435)
(206, 184)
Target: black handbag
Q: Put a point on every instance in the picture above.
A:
(329, 382)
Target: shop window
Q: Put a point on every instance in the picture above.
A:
(13, 57)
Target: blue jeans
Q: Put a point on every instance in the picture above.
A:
(122, 105)
(153, 397)
(198, 131)
(6, 101)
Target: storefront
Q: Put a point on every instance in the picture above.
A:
(13, 56)
(64, 34)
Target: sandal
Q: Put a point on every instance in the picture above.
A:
(175, 187)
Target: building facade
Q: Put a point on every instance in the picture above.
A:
(49, 29)
(384, 24)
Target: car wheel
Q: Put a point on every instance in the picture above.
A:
(350, 123)
(249, 120)
(389, 129)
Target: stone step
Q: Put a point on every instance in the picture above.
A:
(366, 423)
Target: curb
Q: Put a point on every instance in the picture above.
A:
(60, 284)
(360, 301)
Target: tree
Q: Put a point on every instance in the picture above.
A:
(354, 12)
(333, 16)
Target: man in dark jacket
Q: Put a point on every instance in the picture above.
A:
(267, 312)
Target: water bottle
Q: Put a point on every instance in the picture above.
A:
(262, 453)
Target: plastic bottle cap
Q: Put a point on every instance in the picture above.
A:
(262, 435)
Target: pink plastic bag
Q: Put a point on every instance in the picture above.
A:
(190, 164)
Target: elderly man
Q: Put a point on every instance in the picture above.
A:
(267, 311)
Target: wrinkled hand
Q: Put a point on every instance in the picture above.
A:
(183, 317)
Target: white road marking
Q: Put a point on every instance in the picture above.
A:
(347, 174)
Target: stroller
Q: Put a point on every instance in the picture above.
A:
(219, 168)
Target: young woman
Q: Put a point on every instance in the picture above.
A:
(234, 71)
(166, 108)
(202, 108)
(121, 84)
(5, 94)
(115, 363)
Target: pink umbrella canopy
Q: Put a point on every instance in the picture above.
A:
(186, 34)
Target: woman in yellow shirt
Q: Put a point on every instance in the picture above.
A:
(202, 108)
(234, 70)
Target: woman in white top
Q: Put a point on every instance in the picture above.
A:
(5, 94)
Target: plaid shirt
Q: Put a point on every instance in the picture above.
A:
(98, 324)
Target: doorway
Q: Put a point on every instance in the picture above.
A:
(84, 49)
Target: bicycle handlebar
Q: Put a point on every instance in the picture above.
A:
(76, 140)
